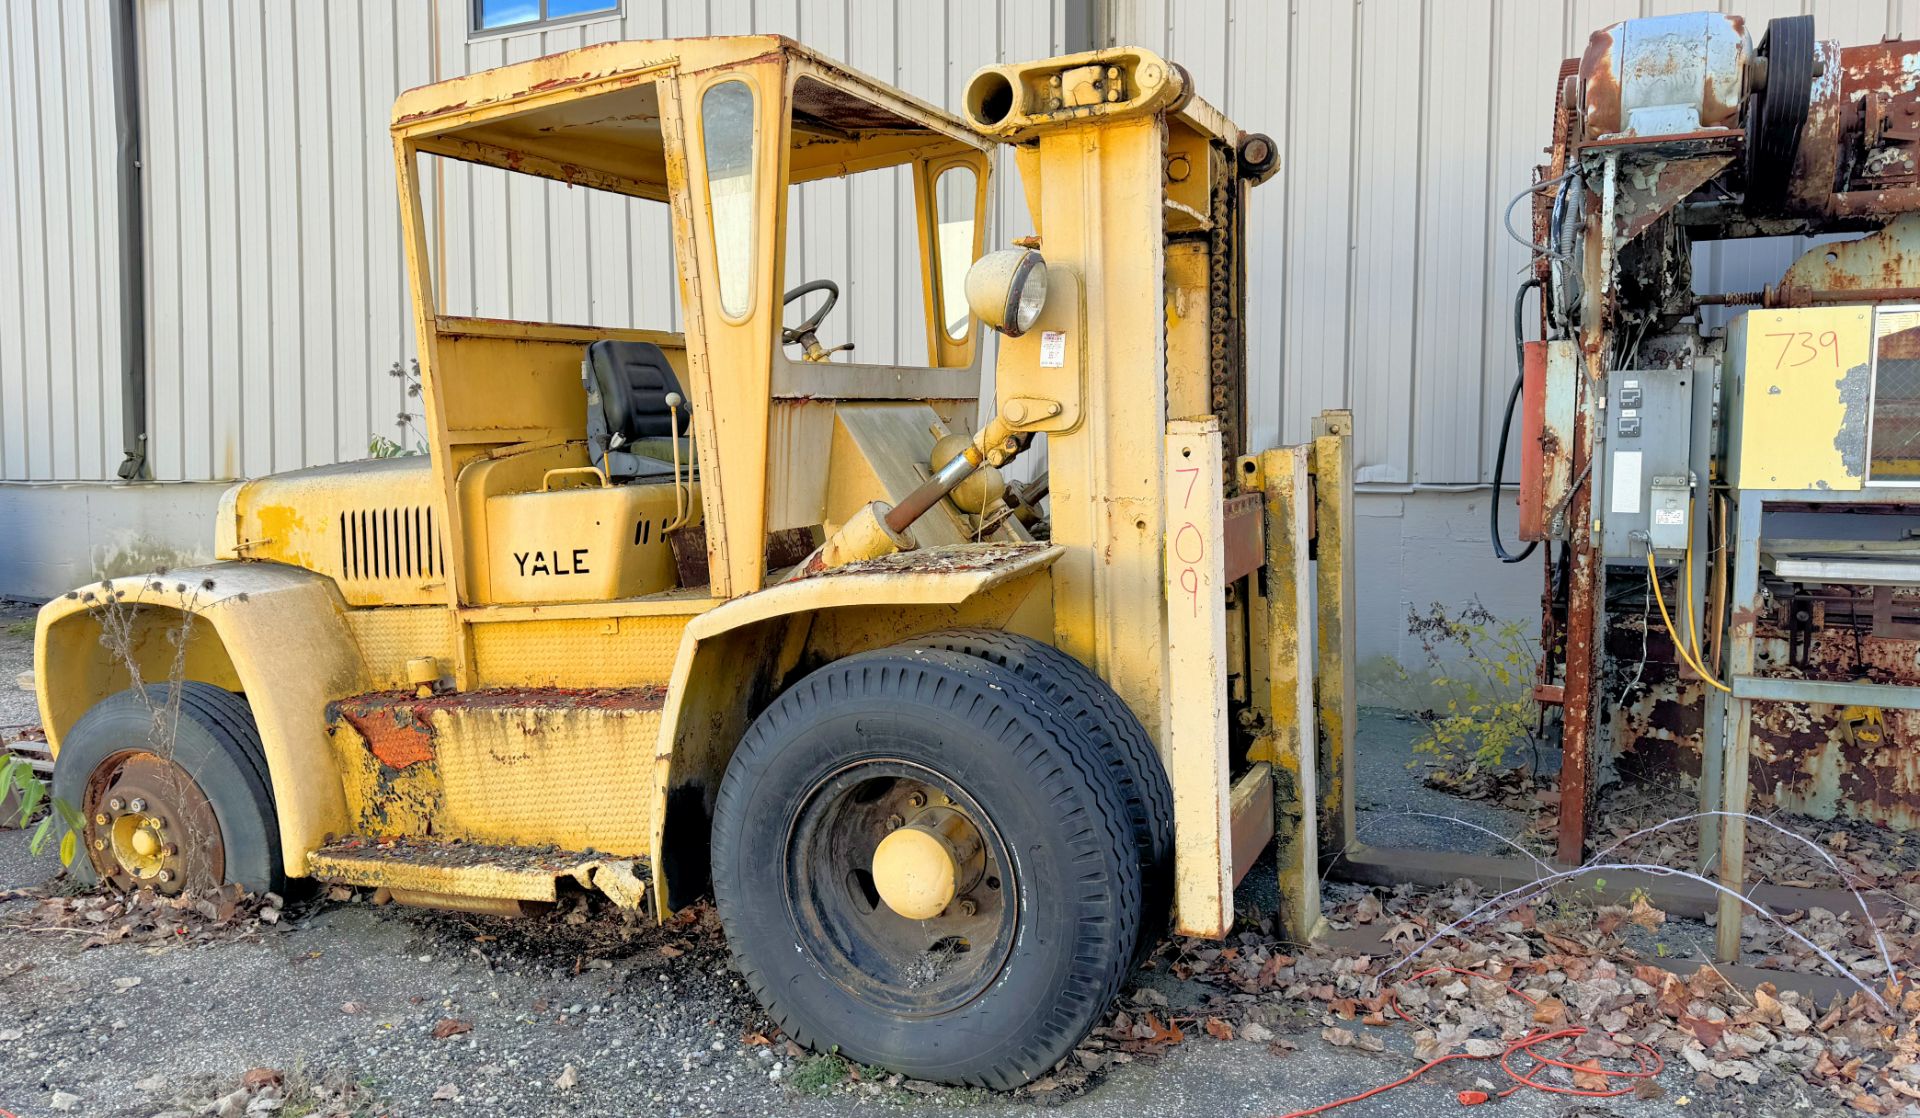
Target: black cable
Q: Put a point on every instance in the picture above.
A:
(1506, 425)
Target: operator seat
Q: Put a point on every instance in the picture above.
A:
(627, 386)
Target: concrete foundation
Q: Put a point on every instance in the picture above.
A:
(55, 536)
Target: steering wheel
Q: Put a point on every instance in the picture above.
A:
(794, 335)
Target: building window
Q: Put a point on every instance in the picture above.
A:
(517, 15)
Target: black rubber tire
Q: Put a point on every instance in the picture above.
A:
(1076, 693)
(217, 743)
(1048, 791)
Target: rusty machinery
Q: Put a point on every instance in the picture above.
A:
(1727, 485)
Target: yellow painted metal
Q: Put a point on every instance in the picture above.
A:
(1100, 214)
(914, 874)
(1038, 389)
(1334, 623)
(446, 874)
(389, 638)
(1800, 388)
(1096, 87)
(1288, 740)
(507, 770)
(1188, 388)
(275, 632)
(581, 544)
(1196, 731)
(373, 527)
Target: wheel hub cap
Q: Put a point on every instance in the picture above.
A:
(918, 869)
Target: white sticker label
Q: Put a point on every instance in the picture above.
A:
(1669, 517)
(1626, 482)
(1053, 349)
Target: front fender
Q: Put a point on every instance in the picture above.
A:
(733, 658)
(277, 634)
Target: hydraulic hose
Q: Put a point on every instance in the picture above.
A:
(1506, 424)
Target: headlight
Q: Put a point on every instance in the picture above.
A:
(1007, 290)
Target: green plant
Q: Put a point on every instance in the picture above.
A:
(819, 1074)
(1483, 669)
(20, 628)
(18, 778)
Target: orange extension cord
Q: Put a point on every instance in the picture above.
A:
(1649, 1063)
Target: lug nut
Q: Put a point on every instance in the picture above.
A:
(165, 876)
(99, 818)
(117, 804)
(138, 805)
(99, 844)
(169, 850)
(894, 822)
(917, 799)
(967, 907)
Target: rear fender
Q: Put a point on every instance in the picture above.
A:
(735, 658)
(276, 634)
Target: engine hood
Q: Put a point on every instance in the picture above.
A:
(376, 527)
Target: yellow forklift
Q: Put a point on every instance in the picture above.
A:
(662, 613)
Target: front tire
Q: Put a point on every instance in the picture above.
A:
(1000, 984)
(174, 798)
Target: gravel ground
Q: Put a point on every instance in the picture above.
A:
(650, 1020)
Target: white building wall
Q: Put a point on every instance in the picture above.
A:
(276, 304)
(59, 256)
(1380, 275)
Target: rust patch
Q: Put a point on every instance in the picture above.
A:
(1853, 762)
(398, 727)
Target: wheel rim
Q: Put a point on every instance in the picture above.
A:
(910, 967)
(149, 826)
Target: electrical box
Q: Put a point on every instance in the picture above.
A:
(1649, 444)
(1669, 512)
(1799, 392)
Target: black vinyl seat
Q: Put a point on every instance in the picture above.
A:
(627, 387)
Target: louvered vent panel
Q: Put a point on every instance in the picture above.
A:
(383, 544)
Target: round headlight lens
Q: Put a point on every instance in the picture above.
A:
(1031, 298)
(1007, 290)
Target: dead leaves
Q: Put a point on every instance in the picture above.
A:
(149, 918)
(1347, 1038)
(450, 1027)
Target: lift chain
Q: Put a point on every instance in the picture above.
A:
(1225, 343)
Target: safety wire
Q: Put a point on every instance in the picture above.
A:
(1647, 1062)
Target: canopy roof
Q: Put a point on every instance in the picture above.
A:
(592, 116)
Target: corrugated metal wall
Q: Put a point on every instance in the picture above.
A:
(277, 303)
(1381, 278)
(59, 262)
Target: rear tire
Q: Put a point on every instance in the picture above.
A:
(1082, 697)
(213, 801)
(994, 995)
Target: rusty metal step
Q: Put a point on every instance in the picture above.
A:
(475, 877)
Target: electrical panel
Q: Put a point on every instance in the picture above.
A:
(1649, 443)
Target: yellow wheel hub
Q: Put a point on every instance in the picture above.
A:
(914, 873)
(921, 867)
(138, 842)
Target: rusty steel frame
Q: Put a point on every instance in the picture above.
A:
(1731, 735)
